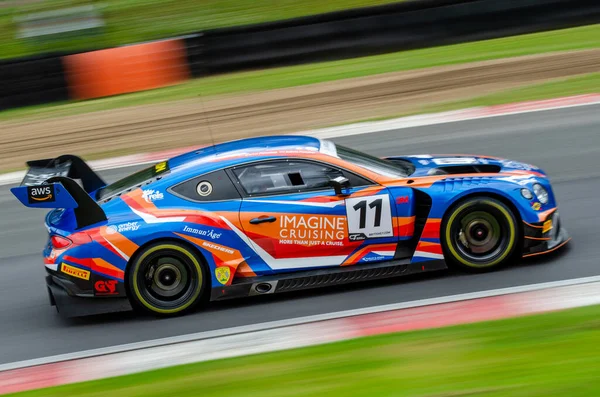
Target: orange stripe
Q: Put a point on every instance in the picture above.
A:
(405, 224)
(547, 252)
(121, 242)
(108, 268)
(352, 259)
(136, 196)
(426, 246)
(368, 191)
(538, 238)
(244, 270)
(533, 226)
(542, 216)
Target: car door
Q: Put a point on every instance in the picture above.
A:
(295, 220)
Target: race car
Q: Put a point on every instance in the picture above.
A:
(273, 214)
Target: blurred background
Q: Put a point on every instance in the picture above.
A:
(285, 65)
(115, 78)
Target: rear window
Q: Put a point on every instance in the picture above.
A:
(134, 180)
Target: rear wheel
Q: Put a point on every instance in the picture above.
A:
(480, 234)
(166, 279)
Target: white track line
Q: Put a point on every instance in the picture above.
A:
(294, 321)
(428, 119)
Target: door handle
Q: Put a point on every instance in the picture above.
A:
(262, 219)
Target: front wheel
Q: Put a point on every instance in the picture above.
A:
(479, 234)
(166, 279)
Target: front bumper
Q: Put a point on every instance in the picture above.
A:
(544, 237)
(72, 302)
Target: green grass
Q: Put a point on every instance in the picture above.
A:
(129, 21)
(546, 355)
(559, 40)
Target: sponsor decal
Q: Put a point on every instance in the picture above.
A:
(402, 200)
(200, 232)
(518, 165)
(38, 175)
(160, 167)
(357, 237)
(105, 287)
(547, 226)
(204, 188)
(222, 274)
(75, 272)
(152, 195)
(128, 227)
(372, 258)
(218, 247)
(41, 194)
(371, 216)
(536, 206)
(124, 227)
(312, 229)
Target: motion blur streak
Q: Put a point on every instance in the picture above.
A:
(27, 323)
(461, 309)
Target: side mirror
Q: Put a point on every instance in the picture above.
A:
(338, 184)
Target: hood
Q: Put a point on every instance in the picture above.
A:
(448, 164)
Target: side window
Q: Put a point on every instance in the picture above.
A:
(280, 177)
(214, 186)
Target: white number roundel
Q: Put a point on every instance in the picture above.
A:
(369, 217)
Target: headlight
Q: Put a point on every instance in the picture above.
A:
(526, 193)
(540, 193)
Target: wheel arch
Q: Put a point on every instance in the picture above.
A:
(165, 239)
(504, 199)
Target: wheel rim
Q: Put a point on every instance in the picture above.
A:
(167, 279)
(480, 234)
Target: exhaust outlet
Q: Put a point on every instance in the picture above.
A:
(263, 288)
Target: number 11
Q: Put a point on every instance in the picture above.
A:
(362, 207)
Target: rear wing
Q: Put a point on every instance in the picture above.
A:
(68, 166)
(51, 184)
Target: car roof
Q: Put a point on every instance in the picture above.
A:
(230, 153)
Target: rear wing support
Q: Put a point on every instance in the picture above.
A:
(62, 192)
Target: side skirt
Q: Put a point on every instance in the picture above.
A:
(322, 278)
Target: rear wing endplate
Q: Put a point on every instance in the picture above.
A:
(68, 166)
(51, 184)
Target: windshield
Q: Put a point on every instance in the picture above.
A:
(375, 164)
(134, 180)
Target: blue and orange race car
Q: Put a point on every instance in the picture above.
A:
(274, 214)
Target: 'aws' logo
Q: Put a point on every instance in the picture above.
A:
(41, 194)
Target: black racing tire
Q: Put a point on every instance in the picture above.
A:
(479, 234)
(167, 279)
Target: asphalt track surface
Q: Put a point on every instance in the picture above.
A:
(566, 143)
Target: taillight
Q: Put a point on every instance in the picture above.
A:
(60, 242)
